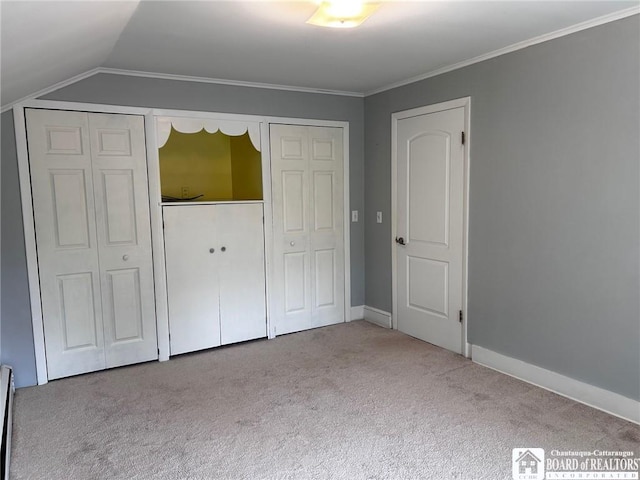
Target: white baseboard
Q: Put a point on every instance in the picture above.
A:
(596, 397)
(357, 312)
(379, 317)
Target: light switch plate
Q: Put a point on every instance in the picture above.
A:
(354, 216)
(379, 217)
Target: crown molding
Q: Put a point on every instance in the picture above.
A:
(52, 88)
(514, 47)
(220, 81)
(181, 78)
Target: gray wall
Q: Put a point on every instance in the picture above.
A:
(17, 334)
(554, 202)
(17, 337)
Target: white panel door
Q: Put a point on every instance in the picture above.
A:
(89, 183)
(308, 201)
(240, 241)
(63, 201)
(430, 188)
(192, 251)
(124, 238)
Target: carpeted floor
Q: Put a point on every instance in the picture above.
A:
(351, 401)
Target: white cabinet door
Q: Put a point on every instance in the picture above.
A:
(191, 252)
(88, 174)
(308, 229)
(215, 274)
(240, 237)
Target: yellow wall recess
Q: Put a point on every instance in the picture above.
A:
(210, 167)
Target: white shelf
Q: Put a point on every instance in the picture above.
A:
(216, 202)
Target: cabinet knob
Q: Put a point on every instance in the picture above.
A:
(293, 244)
(211, 250)
(125, 257)
(224, 249)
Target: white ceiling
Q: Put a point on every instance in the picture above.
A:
(267, 42)
(43, 43)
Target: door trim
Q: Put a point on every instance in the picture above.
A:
(153, 174)
(464, 102)
(33, 275)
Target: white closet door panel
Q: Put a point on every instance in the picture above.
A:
(296, 268)
(290, 197)
(124, 306)
(325, 291)
(294, 202)
(117, 188)
(69, 198)
(63, 201)
(124, 237)
(73, 334)
(323, 199)
(240, 240)
(327, 234)
(192, 280)
(307, 188)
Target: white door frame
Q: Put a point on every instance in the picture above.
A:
(153, 173)
(438, 107)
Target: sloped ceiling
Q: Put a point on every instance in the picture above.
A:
(267, 42)
(44, 43)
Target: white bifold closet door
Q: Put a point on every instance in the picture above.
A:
(308, 226)
(91, 209)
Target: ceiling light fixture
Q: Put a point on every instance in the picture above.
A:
(342, 13)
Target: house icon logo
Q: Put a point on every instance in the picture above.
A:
(528, 463)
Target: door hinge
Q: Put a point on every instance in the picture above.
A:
(462, 138)
(460, 316)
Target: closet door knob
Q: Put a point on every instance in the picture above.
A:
(293, 244)
(211, 250)
(125, 257)
(224, 249)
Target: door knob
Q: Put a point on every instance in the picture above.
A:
(125, 257)
(211, 250)
(293, 244)
(224, 249)
(400, 241)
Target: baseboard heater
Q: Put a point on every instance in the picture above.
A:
(6, 403)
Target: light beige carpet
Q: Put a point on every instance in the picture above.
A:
(351, 401)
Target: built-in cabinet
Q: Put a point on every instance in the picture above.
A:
(215, 274)
(213, 223)
(158, 235)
